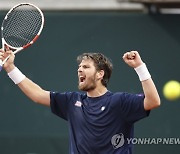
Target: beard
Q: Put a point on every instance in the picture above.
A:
(88, 85)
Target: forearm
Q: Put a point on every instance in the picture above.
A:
(34, 92)
(28, 87)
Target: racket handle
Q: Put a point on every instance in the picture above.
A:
(1, 65)
(2, 62)
(5, 60)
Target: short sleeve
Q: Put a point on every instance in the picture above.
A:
(132, 107)
(59, 103)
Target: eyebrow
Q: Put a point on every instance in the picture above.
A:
(83, 65)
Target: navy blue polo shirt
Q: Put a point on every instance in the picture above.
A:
(99, 125)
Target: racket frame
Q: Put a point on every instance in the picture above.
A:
(17, 49)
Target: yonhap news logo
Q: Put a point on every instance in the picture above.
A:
(118, 140)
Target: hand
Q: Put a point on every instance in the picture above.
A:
(132, 58)
(9, 64)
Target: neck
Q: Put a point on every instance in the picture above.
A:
(98, 91)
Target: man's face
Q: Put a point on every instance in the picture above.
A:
(87, 75)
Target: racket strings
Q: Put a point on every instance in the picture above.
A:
(21, 25)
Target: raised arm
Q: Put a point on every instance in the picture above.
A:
(28, 87)
(152, 99)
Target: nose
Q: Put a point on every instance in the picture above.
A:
(79, 69)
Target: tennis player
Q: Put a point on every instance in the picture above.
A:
(100, 121)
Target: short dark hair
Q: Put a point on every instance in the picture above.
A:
(101, 63)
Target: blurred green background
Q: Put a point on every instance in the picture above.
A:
(29, 128)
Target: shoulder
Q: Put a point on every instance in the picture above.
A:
(118, 95)
(125, 98)
(68, 95)
(126, 95)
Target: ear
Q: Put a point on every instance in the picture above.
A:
(100, 74)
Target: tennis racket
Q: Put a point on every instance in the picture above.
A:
(21, 27)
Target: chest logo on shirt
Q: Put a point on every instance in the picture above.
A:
(78, 104)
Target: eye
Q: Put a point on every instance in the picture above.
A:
(85, 66)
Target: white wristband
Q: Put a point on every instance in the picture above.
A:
(16, 75)
(142, 72)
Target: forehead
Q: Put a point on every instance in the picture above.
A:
(87, 62)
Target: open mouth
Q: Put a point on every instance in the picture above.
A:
(81, 79)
